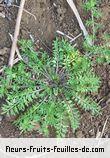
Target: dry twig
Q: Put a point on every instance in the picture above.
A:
(104, 127)
(25, 11)
(63, 34)
(17, 50)
(74, 9)
(16, 33)
(69, 37)
(100, 134)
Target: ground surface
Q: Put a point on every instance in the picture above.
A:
(53, 15)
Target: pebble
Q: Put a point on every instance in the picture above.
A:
(1, 8)
(1, 1)
(1, 118)
(79, 134)
(8, 2)
(108, 102)
(4, 51)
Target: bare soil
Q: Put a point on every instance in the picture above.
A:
(53, 15)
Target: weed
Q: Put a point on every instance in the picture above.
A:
(49, 91)
(102, 52)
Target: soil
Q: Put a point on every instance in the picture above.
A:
(53, 15)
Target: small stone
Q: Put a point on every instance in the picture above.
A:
(108, 102)
(79, 134)
(9, 2)
(4, 51)
(91, 132)
(1, 118)
(1, 8)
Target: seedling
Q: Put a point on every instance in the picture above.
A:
(49, 91)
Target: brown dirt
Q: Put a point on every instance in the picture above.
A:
(52, 15)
